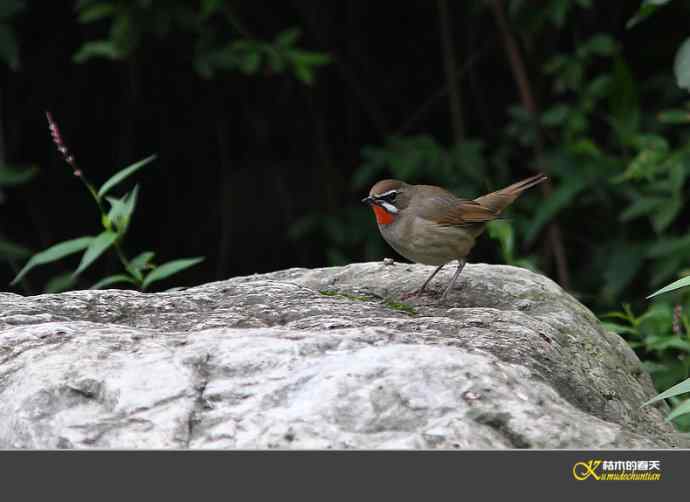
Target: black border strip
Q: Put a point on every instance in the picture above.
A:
(252, 475)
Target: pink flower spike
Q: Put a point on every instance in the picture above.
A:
(61, 147)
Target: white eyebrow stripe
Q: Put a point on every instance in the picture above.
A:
(384, 194)
(389, 207)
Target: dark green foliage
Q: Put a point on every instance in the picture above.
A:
(132, 21)
(661, 336)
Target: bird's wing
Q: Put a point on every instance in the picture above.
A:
(465, 212)
(444, 208)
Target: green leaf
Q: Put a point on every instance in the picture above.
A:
(140, 261)
(680, 283)
(96, 12)
(643, 206)
(674, 117)
(123, 174)
(676, 390)
(654, 151)
(287, 38)
(600, 86)
(681, 409)
(662, 343)
(558, 11)
(249, 63)
(138, 276)
(9, 8)
(586, 147)
(168, 269)
(14, 175)
(97, 247)
(124, 35)
(623, 261)
(667, 246)
(666, 213)
(502, 231)
(619, 315)
(9, 52)
(115, 215)
(113, 279)
(653, 367)
(309, 58)
(12, 251)
(555, 115)
(624, 102)
(131, 203)
(60, 283)
(97, 49)
(553, 204)
(647, 8)
(618, 328)
(681, 65)
(209, 7)
(121, 210)
(601, 44)
(676, 176)
(54, 253)
(276, 60)
(656, 319)
(303, 73)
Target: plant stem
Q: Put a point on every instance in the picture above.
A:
(519, 71)
(118, 248)
(449, 65)
(123, 258)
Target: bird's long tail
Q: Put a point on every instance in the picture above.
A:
(500, 199)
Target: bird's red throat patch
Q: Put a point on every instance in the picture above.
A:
(383, 217)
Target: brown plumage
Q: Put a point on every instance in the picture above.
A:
(428, 224)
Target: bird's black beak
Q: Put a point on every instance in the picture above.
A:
(368, 200)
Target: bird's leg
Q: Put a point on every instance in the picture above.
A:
(461, 265)
(421, 290)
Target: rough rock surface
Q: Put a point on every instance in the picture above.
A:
(322, 359)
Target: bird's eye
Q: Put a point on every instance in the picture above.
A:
(389, 197)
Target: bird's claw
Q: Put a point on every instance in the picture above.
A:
(412, 294)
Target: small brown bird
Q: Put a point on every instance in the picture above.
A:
(428, 224)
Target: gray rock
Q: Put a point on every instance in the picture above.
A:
(322, 358)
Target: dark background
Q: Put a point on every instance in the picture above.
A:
(243, 158)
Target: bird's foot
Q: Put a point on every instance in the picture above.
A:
(412, 294)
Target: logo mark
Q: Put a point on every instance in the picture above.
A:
(617, 470)
(583, 470)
